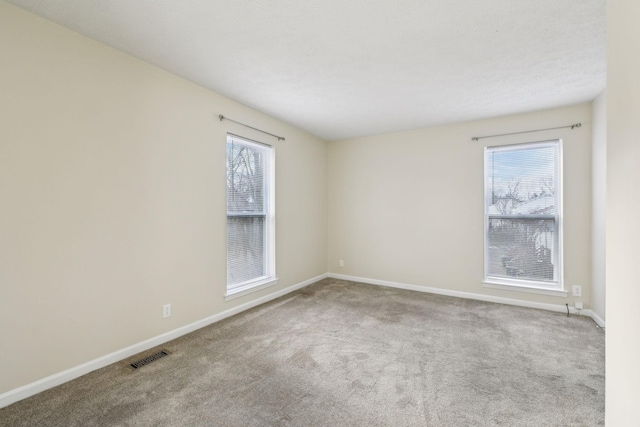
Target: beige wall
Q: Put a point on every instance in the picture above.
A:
(112, 181)
(599, 194)
(623, 211)
(408, 207)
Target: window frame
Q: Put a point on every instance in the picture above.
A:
(556, 286)
(269, 278)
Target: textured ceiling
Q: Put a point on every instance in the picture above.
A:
(347, 68)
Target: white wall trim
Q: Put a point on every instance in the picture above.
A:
(561, 308)
(596, 318)
(56, 379)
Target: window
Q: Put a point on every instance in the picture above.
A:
(250, 220)
(523, 216)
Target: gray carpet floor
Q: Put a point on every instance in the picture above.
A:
(340, 353)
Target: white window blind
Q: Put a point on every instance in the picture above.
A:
(249, 213)
(522, 214)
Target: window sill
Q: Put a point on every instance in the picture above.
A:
(528, 288)
(250, 287)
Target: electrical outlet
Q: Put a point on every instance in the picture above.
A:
(577, 291)
(579, 306)
(341, 263)
(166, 310)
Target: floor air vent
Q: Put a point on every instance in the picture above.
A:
(140, 363)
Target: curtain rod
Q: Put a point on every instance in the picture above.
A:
(477, 138)
(280, 138)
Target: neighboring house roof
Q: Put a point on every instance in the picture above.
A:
(539, 205)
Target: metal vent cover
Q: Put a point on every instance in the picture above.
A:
(140, 363)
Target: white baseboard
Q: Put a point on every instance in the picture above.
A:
(51, 381)
(468, 295)
(599, 320)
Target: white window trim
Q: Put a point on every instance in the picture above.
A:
(270, 279)
(555, 288)
(528, 287)
(250, 287)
